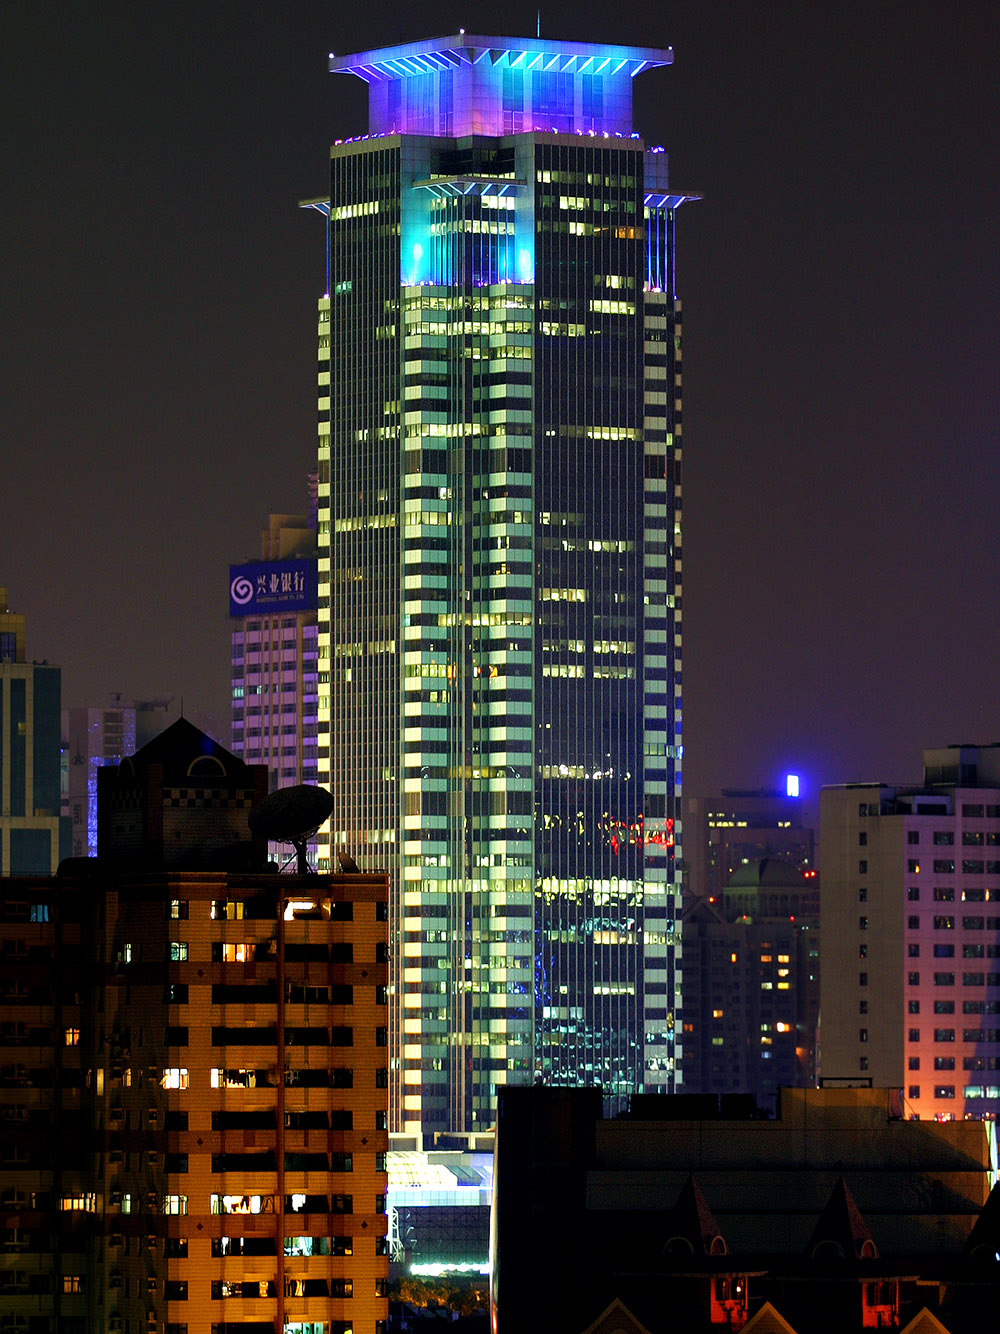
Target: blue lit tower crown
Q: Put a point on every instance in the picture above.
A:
(499, 464)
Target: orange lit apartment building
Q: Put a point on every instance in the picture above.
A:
(225, 1090)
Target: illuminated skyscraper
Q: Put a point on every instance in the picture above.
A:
(499, 567)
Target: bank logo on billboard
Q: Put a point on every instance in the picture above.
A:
(272, 587)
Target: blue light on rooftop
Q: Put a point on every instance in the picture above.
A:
(468, 93)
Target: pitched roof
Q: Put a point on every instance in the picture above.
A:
(183, 750)
(924, 1322)
(841, 1230)
(616, 1319)
(768, 1321)
(984, 1239)
(692, 1220)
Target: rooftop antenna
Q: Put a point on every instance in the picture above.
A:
(538, 30)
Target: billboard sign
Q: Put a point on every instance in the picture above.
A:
(269, 588)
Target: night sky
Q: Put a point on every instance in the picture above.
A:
(841, 289)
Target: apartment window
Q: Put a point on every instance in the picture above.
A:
(913, 950)
(913, 1035)
(72, 1283)
(174, 1078)
(178, 909)
(944, 1090)
(862, 1063)
(945, 867)
(944, 951)
(942, 838)
(862, 979)
(175, 1204)
(178, 951)
(913, 979)
(913, 866)
(862, 895)
(862, 840)
(862, 868)
(862, 923)
(862, 1034)
(944, 1007)
(913, 923)
(913, 836)
(944, 1062)
(913, 1063)
(972, 812)
(71, 1037)
(913, 1091)
(862, 951)
(175, 1290)
(944, 894)
(862, 1007)
(913, 893)
(944, 1035)
(913, 1007)
(944, 979)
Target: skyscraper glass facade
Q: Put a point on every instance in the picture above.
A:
(500, 560)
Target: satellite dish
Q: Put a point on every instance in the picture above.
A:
(292, 815)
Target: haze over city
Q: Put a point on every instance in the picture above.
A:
(840, 287)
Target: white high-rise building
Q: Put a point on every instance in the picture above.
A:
(910, 984)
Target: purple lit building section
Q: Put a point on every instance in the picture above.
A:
(274, 678)
(462, 85)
